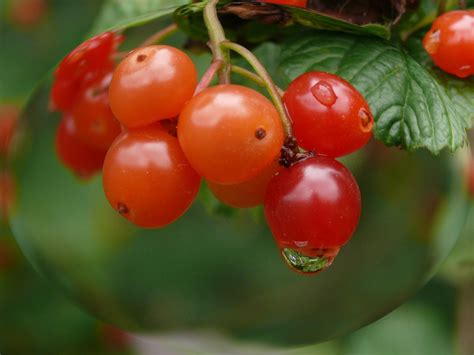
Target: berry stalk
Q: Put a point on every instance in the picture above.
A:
(269, 84)
(217, 35)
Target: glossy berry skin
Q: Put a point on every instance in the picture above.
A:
(8, 119)
(297, 3)
(450, 42)
(230, 134)
(246, 194)
(330, 117)
(152, 84)
(147, 178)
(83, 160)
(313, 205)
(83, 66)
(95, 122)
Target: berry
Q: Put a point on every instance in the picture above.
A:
(297, 3)
(329, 115)
(94, 120)
(246, 194)
(313, 206)
(83, 160)
(152, 84)
(27, 13)
(230, 134)
(7, 193)
(83, 66)
(450, 42)
(8, 118)
(147, 178)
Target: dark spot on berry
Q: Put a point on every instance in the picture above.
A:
(122, 209)
(260, 133)
(366, 120)
(141, 58)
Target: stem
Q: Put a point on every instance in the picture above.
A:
(266, 78)
(208, 76)
(254, 77)
(217, 35)
(160, 36)
(441, 7)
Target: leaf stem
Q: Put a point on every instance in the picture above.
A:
(208, 76)
(266, 78)
(217, 35)
(160, 36)
(252, 76)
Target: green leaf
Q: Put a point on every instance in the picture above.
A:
(118, 13)
(189, 18)
(411, 108)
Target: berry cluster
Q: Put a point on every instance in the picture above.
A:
(80, 92)
(450, 42)
(250, 151)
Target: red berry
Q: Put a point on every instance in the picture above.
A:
(313, 206)
(329, 115)
(27, 12)
(450, 42)
(246, 194)
(95, 122)
(147, 178)
(83, 66)
(298, 3)
(8, 118)
(83, 160)
(152, 84)
(7, 193)
(230, 134)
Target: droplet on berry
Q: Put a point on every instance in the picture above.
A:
(309, 264)
(324, 93)
(432, 42)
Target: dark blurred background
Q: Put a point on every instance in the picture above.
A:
(37, 318)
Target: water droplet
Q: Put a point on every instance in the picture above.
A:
(366, 120)
(433, 42)
(301, 263)
(324, 93)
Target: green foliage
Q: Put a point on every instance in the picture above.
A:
(117, 14)
(412, 109)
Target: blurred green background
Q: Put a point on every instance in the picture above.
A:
(37, 318)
